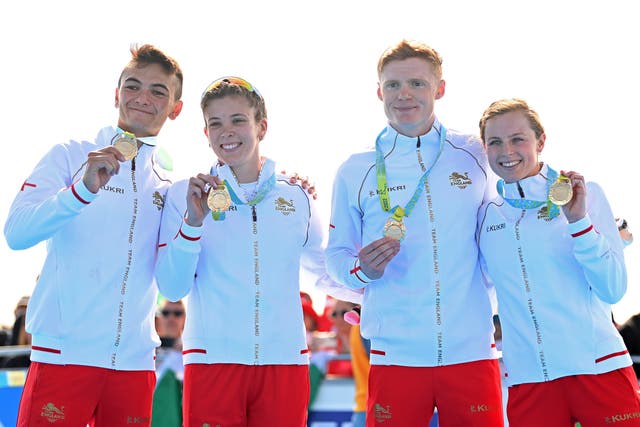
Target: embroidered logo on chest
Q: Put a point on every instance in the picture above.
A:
(284, 206)
(495, 227)
(543, 213)
(112, 189)
(158, 200)
(373, 193)
(459, 180)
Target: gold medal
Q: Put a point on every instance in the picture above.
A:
(561, 191)
(127, 145)
(394, 229)
(219, 199)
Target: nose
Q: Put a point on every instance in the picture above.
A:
(405, 92)
(143, 97)
(227, 131)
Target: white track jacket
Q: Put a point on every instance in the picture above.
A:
(555, 284)
(242, 274)
(430, 308)
(94, 303)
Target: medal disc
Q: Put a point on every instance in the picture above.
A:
(127, 145)
(219, 199)
(394, 229)
(561, 192)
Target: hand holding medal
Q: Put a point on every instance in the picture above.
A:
(206, 192)
(574, 207)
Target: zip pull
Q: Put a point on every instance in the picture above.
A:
(253, 212)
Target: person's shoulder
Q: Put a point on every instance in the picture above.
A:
(463, 140)
(83, 144)
(358, 161)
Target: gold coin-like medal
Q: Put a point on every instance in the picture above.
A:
(561, 191)
(394, 229)
(219, 199)
(127, 145)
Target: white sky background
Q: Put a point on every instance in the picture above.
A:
(315, 63)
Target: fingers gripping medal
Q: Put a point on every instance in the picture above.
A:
(219, 201)
(394, 226)
(127, 145)
(561, 192)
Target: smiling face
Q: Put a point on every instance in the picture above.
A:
(145, 99)
(512, 146)
(234, 134)
(409, 88)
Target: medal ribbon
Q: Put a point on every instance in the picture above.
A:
(381, 175)
(553, 209)
(262, 192)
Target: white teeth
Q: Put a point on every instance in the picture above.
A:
(509, 164)
(229, 146)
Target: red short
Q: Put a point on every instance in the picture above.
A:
(466, 394)
(74, 395)
(593, 400)
(233, 395)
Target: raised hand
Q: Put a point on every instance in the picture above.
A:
(197, 193)
(101, 166)
(576, 209)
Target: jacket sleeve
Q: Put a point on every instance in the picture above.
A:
(598, 248)
(313, 261)
(179, 247)
(345, 237)
(47, 201)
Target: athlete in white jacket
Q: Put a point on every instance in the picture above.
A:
(91, 314)
(245, 352)
(556, 272)
(425, 308)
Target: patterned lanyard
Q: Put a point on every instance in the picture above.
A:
(262, 192)
(381, 175)
(553, 209)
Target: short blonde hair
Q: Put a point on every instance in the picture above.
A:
(411, 49)
(507, 105)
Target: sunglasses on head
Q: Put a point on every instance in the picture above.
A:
(231, 80)
(177, 313)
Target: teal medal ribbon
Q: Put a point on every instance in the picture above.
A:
(395, 226)
(552, 208)
(262, 192)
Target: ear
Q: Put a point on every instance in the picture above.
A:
(262, 129)
(440, 90)
(206, 131)
(117, 97)
(541, 141)
(176, 110)
(379, 92)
